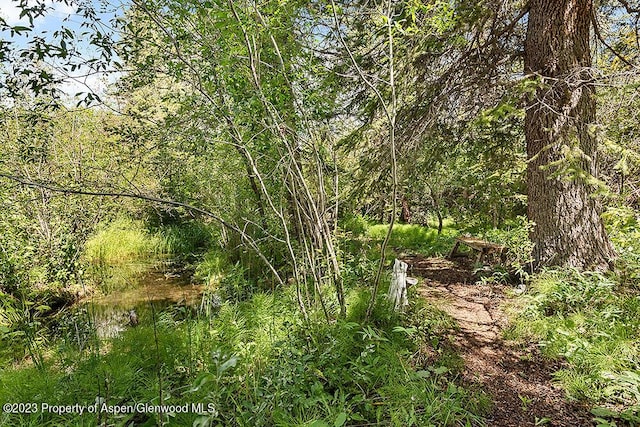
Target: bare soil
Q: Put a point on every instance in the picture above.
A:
(515, 375)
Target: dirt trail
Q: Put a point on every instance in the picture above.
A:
(518, 379)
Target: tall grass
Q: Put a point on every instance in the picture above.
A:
(124, 248)
(125, 240)
(121, 241)
(425, 240)
(184, 240)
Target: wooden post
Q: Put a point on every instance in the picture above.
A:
(454, 250)
(398, 288)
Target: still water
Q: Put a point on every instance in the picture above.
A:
(147, 296)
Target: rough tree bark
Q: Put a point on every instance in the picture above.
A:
(561, 147)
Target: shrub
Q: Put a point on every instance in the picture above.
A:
(357, 225)
(585, 319)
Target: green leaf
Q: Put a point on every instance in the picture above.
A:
(230, 363)
(340, 419)
(199, 382)
(440, 370)
(599, 411)
(20, 29)
(423, 374)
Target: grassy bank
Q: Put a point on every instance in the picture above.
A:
(244, 350)
(112, 259)
(259, 364)
(125, 240)
(124, 248)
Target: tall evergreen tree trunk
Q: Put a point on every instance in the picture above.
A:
(561, 147)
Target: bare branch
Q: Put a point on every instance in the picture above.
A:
(628, 7)
(596, 29)
(59, 189)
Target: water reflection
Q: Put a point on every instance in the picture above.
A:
(153, 291)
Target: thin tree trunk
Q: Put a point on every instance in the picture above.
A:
(405, 213)
(256, 191)
(561, 148)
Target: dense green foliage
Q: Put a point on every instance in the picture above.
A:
(279, 155)
(258, 363)
(594, 325)
(591, 321)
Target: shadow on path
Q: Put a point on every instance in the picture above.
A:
(518, 379)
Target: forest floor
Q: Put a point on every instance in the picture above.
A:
(516, 376)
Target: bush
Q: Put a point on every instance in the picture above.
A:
(585, 319)
(515, 237)
(624, 232)
(357, 225)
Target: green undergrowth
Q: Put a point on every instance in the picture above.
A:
(514, 235)
(123, 248)
(624, 232)
(121, 241)
(362, 233)
(592, 322)
(124, 240)
(259, 364)
(185, 240)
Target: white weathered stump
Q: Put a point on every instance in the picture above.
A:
(398, 288)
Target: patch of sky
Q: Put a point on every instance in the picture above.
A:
(69, 25)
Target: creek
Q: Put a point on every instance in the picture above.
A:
(147, 295)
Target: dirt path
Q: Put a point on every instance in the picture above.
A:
(518, 379)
